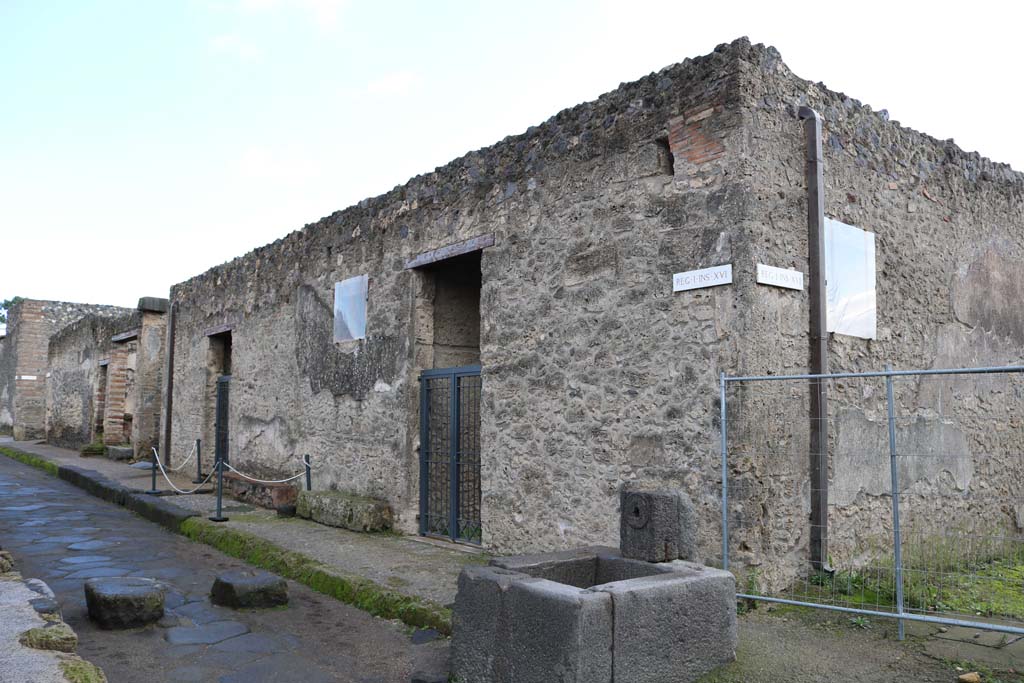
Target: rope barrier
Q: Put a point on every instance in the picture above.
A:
(156, 459)
(184, 462)
(266, 481)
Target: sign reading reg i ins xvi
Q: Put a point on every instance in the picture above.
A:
(705, 277)
(779, 277)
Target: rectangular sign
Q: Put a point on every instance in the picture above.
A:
(705, 277)
(780, 277)
(850, 277)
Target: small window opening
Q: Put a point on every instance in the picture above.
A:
(666, 160)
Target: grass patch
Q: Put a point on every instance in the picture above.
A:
(95, 448)
(353, 590)
(58, 636)
(29, 459)
(81, 671)
(954, 574)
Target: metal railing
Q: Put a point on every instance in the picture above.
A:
(925, 494)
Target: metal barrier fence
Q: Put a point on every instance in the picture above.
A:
(925, 494)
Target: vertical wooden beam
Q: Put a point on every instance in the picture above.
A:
(818, 451)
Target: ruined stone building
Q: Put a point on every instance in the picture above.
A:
(498, 347)
(75, 374)
(24, 358)
(105, 378)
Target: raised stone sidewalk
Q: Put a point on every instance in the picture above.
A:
(35, 645)
(394, 576)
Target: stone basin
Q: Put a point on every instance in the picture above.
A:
(591, 616)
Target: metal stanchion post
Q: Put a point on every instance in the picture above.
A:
(309, 478)
(219, 464)
(895, 479)
(199, 464)
(152, 486)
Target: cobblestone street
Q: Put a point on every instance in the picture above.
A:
(64, 536)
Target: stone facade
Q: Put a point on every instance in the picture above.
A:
(76, 385)
(104, 379)
(23, 364)
(949, 231)
(6, 386)
(595, 374)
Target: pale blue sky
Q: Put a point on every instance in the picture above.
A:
(142, 142)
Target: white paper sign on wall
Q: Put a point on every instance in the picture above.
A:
(705, 277)
(780, 277)
(850, 276)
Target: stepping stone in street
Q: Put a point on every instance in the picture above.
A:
(241, 589)
(124, 602)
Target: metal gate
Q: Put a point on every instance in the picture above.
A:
(221, 418)
(450, 453)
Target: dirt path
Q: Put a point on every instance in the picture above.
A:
(805, 646)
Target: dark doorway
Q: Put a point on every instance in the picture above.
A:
(218, 376)
(100, 412)
(456, 337)
(450, 389)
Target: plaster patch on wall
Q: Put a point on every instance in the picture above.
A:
(264, 436)
(987, 294)
(932, 450)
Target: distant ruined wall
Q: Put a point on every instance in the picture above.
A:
(6, 385)
(31, 322)
(73, 381)
(149, 368)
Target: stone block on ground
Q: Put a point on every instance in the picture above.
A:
(120, 452)
(270, 496)
(125, 602)
(345, 510)
(249, 589)
(657, 526)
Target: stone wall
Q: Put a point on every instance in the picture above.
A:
(949, 230)
(73, 385)
(31, 322)
(149, 369)
(6, 385)
(595, 375)
(589, 224)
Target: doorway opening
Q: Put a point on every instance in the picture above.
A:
(100, 412)
(448, 351)
(456, 311)
(218, 376)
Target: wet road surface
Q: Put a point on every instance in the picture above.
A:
(64, 536)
